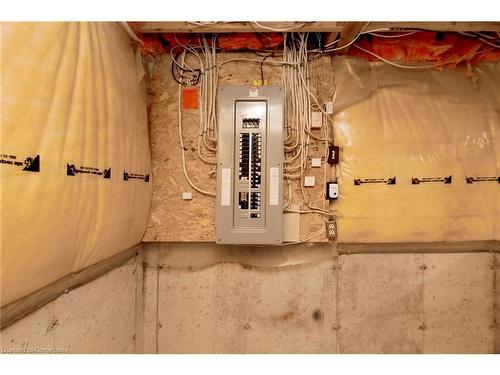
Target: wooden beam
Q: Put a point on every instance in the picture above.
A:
(136, 26)
(236, 27)
(437, 26)
(420, 247)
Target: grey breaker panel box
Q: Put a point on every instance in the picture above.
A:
(250, 165)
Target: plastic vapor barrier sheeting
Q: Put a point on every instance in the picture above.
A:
(75, 160)
(419, 153)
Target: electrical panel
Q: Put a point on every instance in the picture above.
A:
(250, 165)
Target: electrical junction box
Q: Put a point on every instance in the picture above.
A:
(317, 120)
(332, 190)
(250, 165)
(316, 162)
(329, 107)
(309, 181)
(333, 154)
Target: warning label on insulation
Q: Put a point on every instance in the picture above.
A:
(127, 176)
(471, 180)
(419, 180)
(72, 170)
(387, 181)
(29, 164)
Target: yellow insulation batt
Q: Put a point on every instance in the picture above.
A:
(436, 133)
(75, 160)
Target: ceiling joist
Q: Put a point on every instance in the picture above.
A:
(332, 27)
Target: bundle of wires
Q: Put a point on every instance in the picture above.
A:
(299, 103)
(301, 98)
(207, 76)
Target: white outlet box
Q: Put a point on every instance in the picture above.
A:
(309, 181)
(187, 196)
(317, 120)
(331, 229)
(333, 190)
(316, 162)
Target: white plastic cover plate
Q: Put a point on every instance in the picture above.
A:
(317, 120)
(253, 92)
(309, 181)
(225, 194)
(274, 175)
(333, 191)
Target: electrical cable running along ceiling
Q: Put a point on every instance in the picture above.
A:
(450, 49)
(444, 49)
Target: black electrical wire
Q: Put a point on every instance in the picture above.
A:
(262, 68)
(173, 75)
(181, 71)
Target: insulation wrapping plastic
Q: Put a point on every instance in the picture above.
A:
(421, 127)
(73, 100)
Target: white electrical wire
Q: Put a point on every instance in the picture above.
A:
(204, 23)
(485, 35)
(130, 32)
(294, 27)
(272, 62)
(298, 99)
(392, 36)
(298, 118)
(207, 138)
(481, 37)
(303, 211)
(183, 152)
(348, 44)
(467, 34)
(304, 240)
(401, 65)
(491, 44)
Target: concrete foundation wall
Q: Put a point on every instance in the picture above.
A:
(363, 303)
(98, 317)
